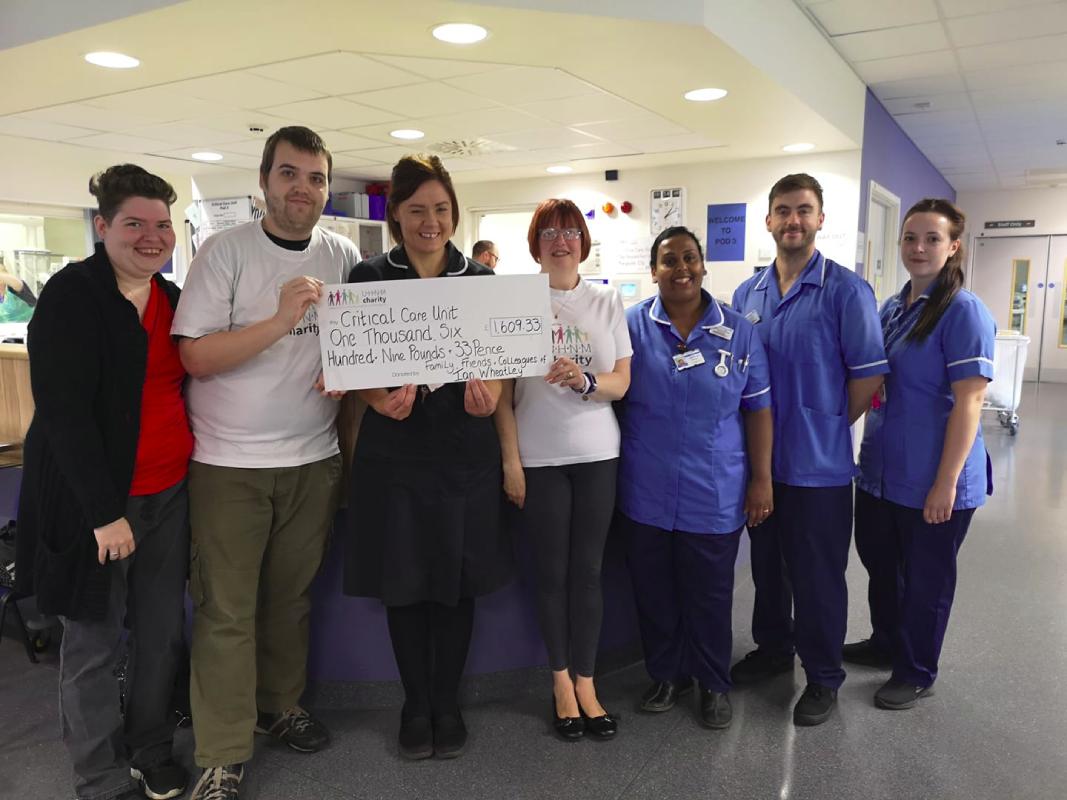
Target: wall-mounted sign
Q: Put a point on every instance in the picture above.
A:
(1009, 223)
(726, 232)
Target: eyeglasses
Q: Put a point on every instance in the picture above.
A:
(549, 234)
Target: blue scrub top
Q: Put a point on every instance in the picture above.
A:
(683, 464)
(822, 334)
(903, 438)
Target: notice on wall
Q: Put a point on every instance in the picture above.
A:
(434, 331)
(219, 214)
(726, 232)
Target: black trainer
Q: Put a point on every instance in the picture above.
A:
(866, 655)
(759, 665)
(162, 781)
(897, 695)
(814, 706)
(294, 727)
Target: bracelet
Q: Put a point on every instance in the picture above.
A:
(584, 389)
(590, 383)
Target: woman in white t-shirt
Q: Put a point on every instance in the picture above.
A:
(560, 445)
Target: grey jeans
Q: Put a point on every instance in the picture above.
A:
(147, 597)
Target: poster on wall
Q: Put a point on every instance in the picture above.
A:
(726, 231)
(219, 214)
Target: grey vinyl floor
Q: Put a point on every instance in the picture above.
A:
(995, 729)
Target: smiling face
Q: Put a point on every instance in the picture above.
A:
(139, 239)
(793, 221)
(559, 254)
(926, 243)
(295, 189)
(425, 219)
(679, 270)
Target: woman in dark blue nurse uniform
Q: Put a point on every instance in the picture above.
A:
(923, 464)
(687, 485)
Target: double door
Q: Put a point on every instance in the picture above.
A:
(1022, 280)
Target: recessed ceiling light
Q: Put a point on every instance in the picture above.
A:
(799, 147)
(207, 156)
(406, 133)
(459, 33)
(561, 169)
(112, 60)
(705, 95)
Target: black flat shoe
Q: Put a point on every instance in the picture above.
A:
(416, 738)
(449, 735)
(569, 729)
(603, 727)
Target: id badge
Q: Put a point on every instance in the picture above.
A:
(688, 359)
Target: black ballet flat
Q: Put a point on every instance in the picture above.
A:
(569, 729)
(603, 727)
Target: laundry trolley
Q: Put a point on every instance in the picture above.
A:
(1006, 389)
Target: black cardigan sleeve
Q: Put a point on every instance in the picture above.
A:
(64, 347)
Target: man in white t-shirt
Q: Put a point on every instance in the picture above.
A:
(264, 479)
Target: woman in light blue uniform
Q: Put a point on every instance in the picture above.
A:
(687, 481)
(923, 465)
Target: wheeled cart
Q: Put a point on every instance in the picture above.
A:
(1006, 389)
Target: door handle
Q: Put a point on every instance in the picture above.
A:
(1052, 286)
(1042, 286)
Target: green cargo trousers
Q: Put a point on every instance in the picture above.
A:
(257, 540)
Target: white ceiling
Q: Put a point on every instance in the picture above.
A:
(545, 88)
(979, 85)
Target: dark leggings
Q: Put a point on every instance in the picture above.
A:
(567, 516)
(430, 642)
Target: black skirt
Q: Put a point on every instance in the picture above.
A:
(425, 505)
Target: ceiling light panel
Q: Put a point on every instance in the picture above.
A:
(111, 60)
(460, 33)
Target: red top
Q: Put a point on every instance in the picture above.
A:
(166, 442)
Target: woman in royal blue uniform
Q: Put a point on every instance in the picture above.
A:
(924, 467)
(695, 466)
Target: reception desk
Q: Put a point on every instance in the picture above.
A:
(16, 400)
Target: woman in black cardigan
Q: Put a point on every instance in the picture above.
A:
(103, 523)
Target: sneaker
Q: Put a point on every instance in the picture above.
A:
(296, 728)
(897, 696)
(759, 665)
(218, 783)
(866, 655)
(162, 781)
(815, 705)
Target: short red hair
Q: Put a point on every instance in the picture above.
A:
(557, 213)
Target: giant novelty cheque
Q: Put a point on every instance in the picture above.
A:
(434, 331)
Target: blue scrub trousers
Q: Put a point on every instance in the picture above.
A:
(684, 589)
(799, 556)
(912, 568)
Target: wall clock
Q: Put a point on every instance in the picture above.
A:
(666, 209)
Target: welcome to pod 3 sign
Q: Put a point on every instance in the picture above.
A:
(434, 331)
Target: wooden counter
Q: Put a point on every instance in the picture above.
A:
(16, 400)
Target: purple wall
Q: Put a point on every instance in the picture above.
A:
(892, 159)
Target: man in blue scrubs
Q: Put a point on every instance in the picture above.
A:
(819, 324)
